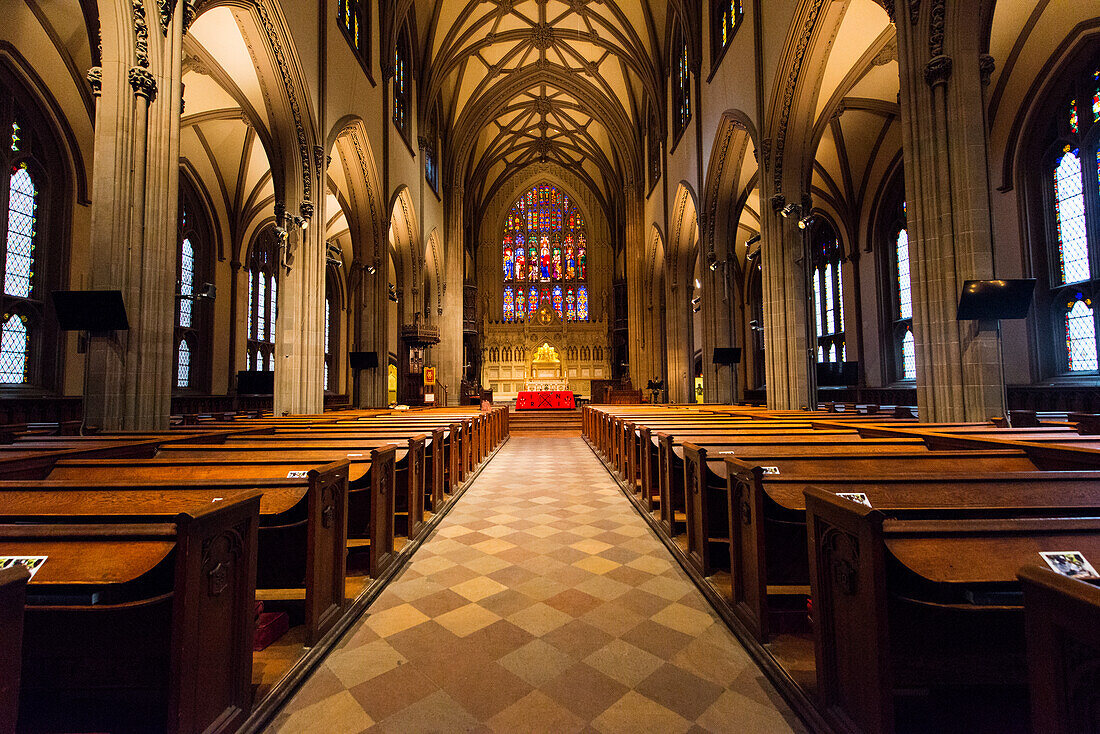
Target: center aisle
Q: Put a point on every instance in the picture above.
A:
(542, 603)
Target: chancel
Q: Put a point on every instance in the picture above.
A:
(546, 365)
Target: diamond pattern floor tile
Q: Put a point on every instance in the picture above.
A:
(542, 603)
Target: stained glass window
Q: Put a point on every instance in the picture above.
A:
(14, 344)
(828, 293)
(582, 303)
(901, 358)
(1074, 123)
(905, 285)
(401, 84)
(183, 365)
(544, 252)
(1081, 337)
(909, 356)
(187, 281)
(263, 297)
(15, 136)
(1069, 217)
(727, 17)
(570, 305)
(681, 83)
(22, 203)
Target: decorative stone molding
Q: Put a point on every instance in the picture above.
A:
(143, 83)
(95, 78)
(141, 34)
(165, 8)
(778, 201)
(936, 24)
(306, 209)
(791, 85)
(938, 71)
(986, 66)
(914, 11)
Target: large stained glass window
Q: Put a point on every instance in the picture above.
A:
(903, 360)
(402, 84)
(828, 292)
(353, 17)
(183, 365)
(681, 83)
(1069, 217)
(187, 280)
(13, 350)
(1071, 183)
(263, 287)
(33, 239)
(545, 256)
(727, 16)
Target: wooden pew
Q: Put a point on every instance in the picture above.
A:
(302, 536)
(13, 591)
(140, 627)
(912, 599)
(766, 513)
(1062, 624)
(409, 465)
(370, 487)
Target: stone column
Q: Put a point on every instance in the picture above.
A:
(135, 190)
(947, 192)
(787, 348)
(449, 353)
(634, 252)
(300, 320)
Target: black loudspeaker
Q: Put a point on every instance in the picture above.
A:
(727, 355)
(363, 360)
(94, 311)
(994, 300)
(837, 374)
(255, 382)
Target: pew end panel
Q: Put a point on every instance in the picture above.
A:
(13, 593)
(383, 508)
(1062, 624)
(851, 638)
(326, 549)
(214, 608)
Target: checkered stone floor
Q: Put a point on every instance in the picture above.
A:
(541, 603)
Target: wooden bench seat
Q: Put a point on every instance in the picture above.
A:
(908, 601)
(139, 627)
(371, 485)
(13, 592)
(409, 480)
(1062, 625)
(302, 536)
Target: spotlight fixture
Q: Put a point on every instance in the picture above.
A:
(301, 222)
(790, 210)
(806, 222)
(371, 270)
(714, 265)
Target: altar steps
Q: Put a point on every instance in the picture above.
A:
(540, 421)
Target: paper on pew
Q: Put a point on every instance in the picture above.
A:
(33, 563)
(1070, 563)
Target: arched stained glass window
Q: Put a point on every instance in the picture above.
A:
(828, 291)
(402, 84)
(681, 83)
(328, 340)
(905, 282)
(544, 254)
(727, 16)
(187, 281)
(1069, 216)
(183, 365)
(262, 298)
(908, 356)
(19, 260)
(13, 350)
(1069, 176)
(353, 17)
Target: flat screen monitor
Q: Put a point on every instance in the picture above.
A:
(995, 300)
(363, 360)
(94, 311)
(727, 355)
(255, 382)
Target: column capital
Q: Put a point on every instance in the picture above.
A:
(95, 78)
(143, 83)
(986, 66)
(938, 71)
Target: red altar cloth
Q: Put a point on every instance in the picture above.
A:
(550, 400)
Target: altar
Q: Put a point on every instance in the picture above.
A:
(545, 400)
